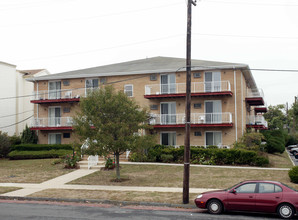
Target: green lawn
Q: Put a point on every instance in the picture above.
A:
(29, 171)
(172, 176)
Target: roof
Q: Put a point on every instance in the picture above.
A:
(31, 72)
(146, 66)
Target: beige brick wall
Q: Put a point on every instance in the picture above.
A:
(228, 103)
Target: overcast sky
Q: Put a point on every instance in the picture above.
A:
(65, 35)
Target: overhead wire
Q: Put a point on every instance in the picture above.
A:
(17, 122)
(6, 116)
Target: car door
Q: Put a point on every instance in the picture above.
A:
(268, 197)
(242, 198)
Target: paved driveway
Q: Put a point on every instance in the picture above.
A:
(293, 158)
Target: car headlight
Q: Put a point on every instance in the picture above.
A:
(199, 196)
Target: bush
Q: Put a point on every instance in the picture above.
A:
(71, 160)
(15, 140)
(201, 155)
(41, 147)
(250, 141)
(21, 155)
(293, 174)
(110, 164)
(4, 144)
(275, 141)
(29, 136)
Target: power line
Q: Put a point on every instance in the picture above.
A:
(17, 122)
(5, 116)
(251, 3)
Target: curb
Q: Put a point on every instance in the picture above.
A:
(100, 201)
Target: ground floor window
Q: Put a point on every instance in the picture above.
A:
(55, 138)
(168, 138)
(213, 138)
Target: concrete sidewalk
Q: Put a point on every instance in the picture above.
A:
(61, 183)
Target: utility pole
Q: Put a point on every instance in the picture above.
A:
(187, 106)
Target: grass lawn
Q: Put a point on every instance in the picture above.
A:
(29, 171)
(280, 160)
(115, 195)
(172, 176)
(8, 189)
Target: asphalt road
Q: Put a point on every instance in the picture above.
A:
(15, 210)
(293, 159)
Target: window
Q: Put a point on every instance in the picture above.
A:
(54, 117)
(128, 90)
(246, 188)
(168, 138)
(168, 113)
(269, 188)
(197, 105)
(153, 107)
(54, 138)
(153, 77)
(213, 138)
(198, 133)
(66, 135)
(168, 83)
(55, 90)
(103, 80)
(213, 111)
(212, 82)
(91, 84)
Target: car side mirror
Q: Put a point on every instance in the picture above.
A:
(234, 191)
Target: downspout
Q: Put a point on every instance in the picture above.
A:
(235, 92)
(242, 100)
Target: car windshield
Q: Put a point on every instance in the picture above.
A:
(232, 187)
(289, 187)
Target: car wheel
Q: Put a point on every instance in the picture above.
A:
(214, 206)
(285, 211)
(294, 152)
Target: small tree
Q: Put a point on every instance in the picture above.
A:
(110, 122)
(4, 144)
(29, 136)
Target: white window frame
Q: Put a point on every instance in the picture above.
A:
(128, 90)
(49, 91)
(213, 136)
(51, 107)
(55, 137)
(167, 132)
(168, 114)
(92, 83)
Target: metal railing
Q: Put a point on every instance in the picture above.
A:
(61, 94)
(196, 118)
(52, 122)
(196, 87)
(256, 120)
(254, 93)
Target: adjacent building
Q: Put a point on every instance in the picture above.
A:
(225, 100)
(16, 110)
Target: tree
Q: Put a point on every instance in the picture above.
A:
(275, 117)
(110, 122)
(4, 144)
(29, 136)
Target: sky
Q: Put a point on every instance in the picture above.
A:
(66, 35)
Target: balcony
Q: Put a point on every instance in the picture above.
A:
(179, 89)
(261, 108)
(255, 97)
(48, 124)
(256, 122)
(197, 120)
(58, 96)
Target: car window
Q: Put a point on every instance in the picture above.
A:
(269, 188)
(246, 188)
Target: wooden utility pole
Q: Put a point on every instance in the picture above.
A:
(187, 106)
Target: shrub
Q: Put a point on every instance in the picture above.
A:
(21, 155)
(275, 141)
(15, 140)
(4, 144)
(71, 160)
(29, 136)
(166, 158)
(293, 174)
(250, 141)
(41, 147)
(110, 164)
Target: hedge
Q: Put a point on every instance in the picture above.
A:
(293, 174)
(41, 147)
(200, 155)
(20, 155)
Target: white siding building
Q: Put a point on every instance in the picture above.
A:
(15, 95)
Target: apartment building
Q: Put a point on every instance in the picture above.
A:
(225, 100)
(16, 109)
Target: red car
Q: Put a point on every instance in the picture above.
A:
(254, 196)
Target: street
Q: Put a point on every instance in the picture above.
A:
(19, 210)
